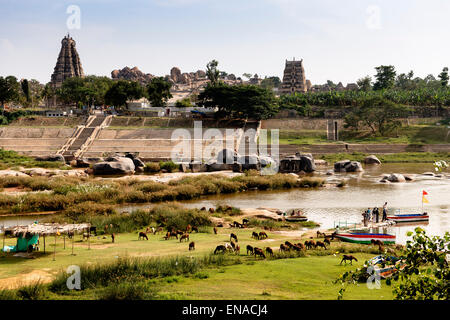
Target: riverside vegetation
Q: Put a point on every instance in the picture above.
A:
(58, 194)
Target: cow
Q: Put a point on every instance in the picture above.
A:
(288, 244)
(184, 237)
(249, 249)
(263, 235)
(255, 235)
(233, 236)
(93, 229)
(283, 248)
(245, 221)
(142, 235)
(348, 257)
(327, 241)
(321, 244)
(211, 210)
(259, 252)
(192, 246)
(269, 251)
(220, 248)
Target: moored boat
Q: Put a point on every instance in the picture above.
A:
(365, 236)
(296, 218)
(408, 218)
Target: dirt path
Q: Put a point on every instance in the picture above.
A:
(41, 275)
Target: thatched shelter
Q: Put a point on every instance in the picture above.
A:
(47, 229)
(28, 236)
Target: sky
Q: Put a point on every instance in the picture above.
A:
(337, 40)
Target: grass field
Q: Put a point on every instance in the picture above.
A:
(414, 134)
(307, 277)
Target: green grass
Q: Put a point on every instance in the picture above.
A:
(403, 157)
(414, 134)
(10, 159)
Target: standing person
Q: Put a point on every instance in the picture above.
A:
(369, 215)
(384, 212)
(376, 214)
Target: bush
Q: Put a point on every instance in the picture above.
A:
(169, 166)
(35, 291)
(152, 167)
(127, 291)
(83, 210)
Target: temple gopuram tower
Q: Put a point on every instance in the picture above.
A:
(68, 64)
(293, 78)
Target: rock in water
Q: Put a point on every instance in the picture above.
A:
(396, 177)
(348, 166)
(114, 165)
(372, 159)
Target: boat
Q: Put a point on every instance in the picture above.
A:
(364, 236)
(296, 218)
(408, 218)
(294, 215)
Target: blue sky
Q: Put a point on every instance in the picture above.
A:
(338, 40)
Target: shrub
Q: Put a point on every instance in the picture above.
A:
(35, 291)
(127, 291)
(85, 209)
(168, 165)
(152, 167)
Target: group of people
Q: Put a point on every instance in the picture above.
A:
(374, 215)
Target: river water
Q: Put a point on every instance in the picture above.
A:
(330, 205)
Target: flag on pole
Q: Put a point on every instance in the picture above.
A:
(424, 200)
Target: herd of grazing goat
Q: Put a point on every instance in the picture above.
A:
(233, 247)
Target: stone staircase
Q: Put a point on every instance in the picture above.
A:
(84, 136)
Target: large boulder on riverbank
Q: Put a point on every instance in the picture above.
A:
(298, 162)
(372, 159)
(227, 156)
(114, 165)
(348, 166)
(52, 157)
(198, 167)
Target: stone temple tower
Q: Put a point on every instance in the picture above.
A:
(68, 64)
(293, 78)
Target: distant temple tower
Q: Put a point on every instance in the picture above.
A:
(68, 64)
(293, 78)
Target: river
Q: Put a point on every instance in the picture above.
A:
(329, 205)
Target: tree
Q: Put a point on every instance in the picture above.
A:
(9, 89)
(158, 92)
(212, 72)
(365, 84)
(122, 91)
(425, 274)
(90, 90)
(247, 75)
(379, 114)
(443, 76)
(270, 82)
(184, 103)
(405, 81)
(26, 91)
(385, 77)
(240, 101)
